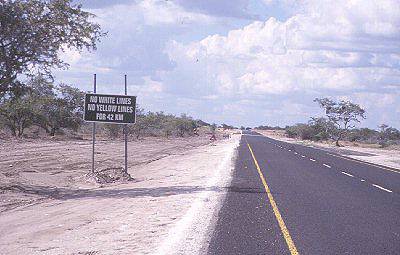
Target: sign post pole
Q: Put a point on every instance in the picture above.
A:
(94, 126)
(126, 133)
(116, 109)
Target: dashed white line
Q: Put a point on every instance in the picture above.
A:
(362, 180)
(289, 150)
(348, 174)
(327, 165)
(312, 159)
(382, 188)
(295, 153)
(303, 156)
(366, 163)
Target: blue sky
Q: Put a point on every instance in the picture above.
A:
(246, 62)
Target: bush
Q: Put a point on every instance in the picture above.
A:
(44, 105)
(319, 129)
(388, 136)
(161, 124)
(16, 114)
(362, 135)
(269, 128)
(302, 131)
(316, 129)
(113, 130)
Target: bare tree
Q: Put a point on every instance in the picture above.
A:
(343, 115)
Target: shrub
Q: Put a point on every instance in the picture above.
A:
(302, 131)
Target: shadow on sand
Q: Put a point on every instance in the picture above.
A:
(66, 194)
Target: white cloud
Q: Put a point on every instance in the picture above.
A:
(329, 45)
(148, 13)
(266, 70)
(327, 48)
(167, 12)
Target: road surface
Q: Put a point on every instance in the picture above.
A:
(291, 199)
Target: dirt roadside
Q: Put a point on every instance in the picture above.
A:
(389, 157)
(152, 215)
(35, 170)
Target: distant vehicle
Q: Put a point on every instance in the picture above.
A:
(248, 128)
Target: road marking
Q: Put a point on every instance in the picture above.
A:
(285, 231)
(295, 153)
(289, 150)
(303, 156)
(366, 163)
(348, 174)
(327, 165)
(362, 180)
(359, 161)
(312, 159)
(382, 188)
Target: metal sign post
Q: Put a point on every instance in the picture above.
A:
(126, 133)
(94, 126)
(116, 109)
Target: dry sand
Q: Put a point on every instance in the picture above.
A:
(35, 170)
(369, 153)
(169, 209)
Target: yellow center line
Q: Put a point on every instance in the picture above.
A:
(282, 225)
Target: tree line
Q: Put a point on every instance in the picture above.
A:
(44, 105)
(54, 108)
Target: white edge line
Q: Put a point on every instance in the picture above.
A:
(347, 174)
(382, 188)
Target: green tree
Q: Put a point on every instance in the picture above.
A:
(303, 131)
(62, 111)
(16, 114)
(32, 34)
(54, 107)
(343, 115)
(322, 128)
(138, 128)
(185, 125)
(387, 135)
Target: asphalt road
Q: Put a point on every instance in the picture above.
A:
(312, 202)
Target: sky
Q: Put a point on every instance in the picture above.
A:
(246, 62)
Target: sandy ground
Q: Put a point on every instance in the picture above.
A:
(35, 170)
(169, 209)
(369, 153)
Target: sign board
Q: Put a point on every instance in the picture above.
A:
(116, 109)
